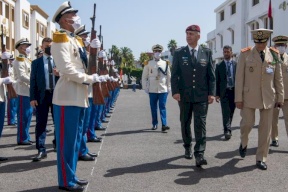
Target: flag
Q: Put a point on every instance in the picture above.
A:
(270, 15)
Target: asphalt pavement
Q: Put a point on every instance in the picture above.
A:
(133, 158)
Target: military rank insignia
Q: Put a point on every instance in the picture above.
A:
(251, 69)
(75, 52)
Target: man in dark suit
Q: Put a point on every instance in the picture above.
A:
(225, 83)
(42, 83)
(193, 86)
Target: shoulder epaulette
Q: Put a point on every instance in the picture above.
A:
(274, 49)
(80, 41)
(60, 37)
(20, 58)
(167, 62)
(246, 49)
(145, 62)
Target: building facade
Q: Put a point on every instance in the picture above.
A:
(20, 19)
(236, 18)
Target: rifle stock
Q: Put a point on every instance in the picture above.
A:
(4, 73)
(98, 97)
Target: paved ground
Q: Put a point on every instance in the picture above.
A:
(132, 157)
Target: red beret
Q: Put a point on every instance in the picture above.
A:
(193, 28)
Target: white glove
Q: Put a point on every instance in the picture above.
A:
(102, 78)
(95, 43)
(95, 78)
(169, 90)
(102, 54)
(5, 55)
(7, 80)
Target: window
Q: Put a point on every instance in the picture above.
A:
(233, 8)
(255, 2)
(221, 15)
(7, 42)
(232, 37)
(221, 41)
(266, 23)
(25, 19)
(12, 14)
(7, 11)
(13, 43)
(257, 25)
(37, 27)
(42, 30)
(1, 10)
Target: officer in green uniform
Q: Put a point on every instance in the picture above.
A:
(193, 86)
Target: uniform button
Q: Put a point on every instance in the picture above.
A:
(193, 80)
(193, 75)
(193, 87)
(194, 69)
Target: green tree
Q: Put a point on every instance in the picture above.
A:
(172, 45)
(115, 54)
(127, 56)
(143, 57)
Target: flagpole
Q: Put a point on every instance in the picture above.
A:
(270, 19)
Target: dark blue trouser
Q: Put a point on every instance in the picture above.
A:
(68, 128)
(154, 99)
(42, 111)
(12, 111)
(24, 115)
(2, 116)
(83, 145)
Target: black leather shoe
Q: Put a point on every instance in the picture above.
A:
(200, 160)
(275, 143)
(100, 128)
(3, 158)
(86, 158)
(32, 141)
(96, 140)
(92, 154)
(40, 156)
(76, 188)
(188, 154)
(261, 165)
(154, 127)
(227, 135)
(108, 116)
(242, 151)
(105, 121)
(165, 127)
(24, 143)
(82, 182)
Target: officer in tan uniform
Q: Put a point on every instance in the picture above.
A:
(70, 97)
(156, 82)
(280, 43)
(258, 86)
(22, 70)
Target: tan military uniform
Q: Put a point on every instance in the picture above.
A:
(22, 70)
(258, 89)
(153, 79)
(274, 131)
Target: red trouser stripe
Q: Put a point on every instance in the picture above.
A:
(62, 132)
(21, 119)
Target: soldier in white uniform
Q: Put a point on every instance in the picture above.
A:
(22, 70)
(156, 82)
(70, 96)
(258, 85)
(281, 45)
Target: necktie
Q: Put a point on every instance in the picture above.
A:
(229, 75)
(282, 58)
(50, 71)
(193, 55)
(262, 55)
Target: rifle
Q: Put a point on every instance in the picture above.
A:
(93, 65)
(4, 73)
